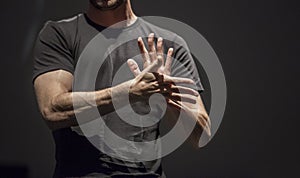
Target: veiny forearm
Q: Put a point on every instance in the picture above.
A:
(64, 107)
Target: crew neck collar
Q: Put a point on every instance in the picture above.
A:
(100, 27)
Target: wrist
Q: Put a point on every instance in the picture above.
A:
(121, 91)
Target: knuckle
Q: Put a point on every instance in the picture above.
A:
(143, 83)
(155, 84)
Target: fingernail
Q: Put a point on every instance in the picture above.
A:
(160, 39)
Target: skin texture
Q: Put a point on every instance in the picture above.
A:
(56, 100)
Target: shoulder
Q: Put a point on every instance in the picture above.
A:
(63, 27)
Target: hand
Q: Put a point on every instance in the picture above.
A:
(155, 53)
(145, 84)
(181, 98)
(161, 70)
(195, 111)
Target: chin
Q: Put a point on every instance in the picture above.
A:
(107, 4)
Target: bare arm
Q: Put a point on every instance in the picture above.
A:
(196, 111)
(56, 99)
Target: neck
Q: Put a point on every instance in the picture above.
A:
(108, 18)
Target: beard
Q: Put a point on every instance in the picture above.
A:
(107, 4)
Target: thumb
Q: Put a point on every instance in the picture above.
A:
(133, 66)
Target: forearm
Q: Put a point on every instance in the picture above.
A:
(202, 131)
(195, 112)
(63, 108)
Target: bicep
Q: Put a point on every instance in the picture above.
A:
(51, 84)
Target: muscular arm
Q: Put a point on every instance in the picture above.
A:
(56, 99)
(58, 104)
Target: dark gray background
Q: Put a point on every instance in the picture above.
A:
(257, 43)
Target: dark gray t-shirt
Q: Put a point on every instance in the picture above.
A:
(59, 46)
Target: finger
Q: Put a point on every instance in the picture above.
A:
(178, 80)
(169, 61)
(153, 85)
(149, 69)
(160, 50)
(148, 77)
(150, 92)
(183, 90)
(133, 66)
(182, 98)
(174, 104)
(152, 49)
(143, 51)
(160, 60)
(153, 67)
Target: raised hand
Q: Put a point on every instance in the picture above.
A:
(154, 65)
(156, 76)
(156, 52)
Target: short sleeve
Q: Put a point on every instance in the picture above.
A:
(51, 51)
(183, 64)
